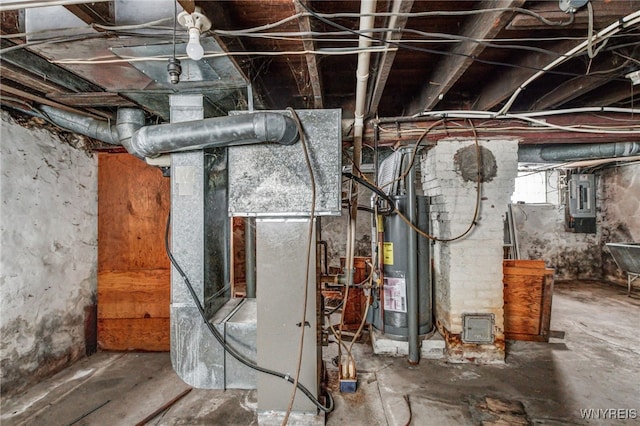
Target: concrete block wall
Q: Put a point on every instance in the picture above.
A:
(468, 271)
(48, 252)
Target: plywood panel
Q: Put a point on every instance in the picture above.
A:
(133, 203)
(528, 288)
(133, 268)
(134, 294)
(522, 324)
(148, 334)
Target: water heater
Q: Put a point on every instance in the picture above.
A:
(389, 307)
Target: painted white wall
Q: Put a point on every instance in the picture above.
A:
(48, 240)
(468, 271)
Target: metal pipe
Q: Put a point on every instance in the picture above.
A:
(412, 270)
(238, 129)
(129, 121)
(250, 256)
(81, 124)
(573, 152)
(151, 141)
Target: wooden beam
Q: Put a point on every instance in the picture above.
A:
(312, 64)
(39, 99)
(40, 66)
(188, 5)
(91, 99)
(9, 22)
(92, 13)
(580, 85)
(605, 12)
(510, 79)
(505, 128)
(25, 78)
(388, 57)
(451, 68)
(616, 92)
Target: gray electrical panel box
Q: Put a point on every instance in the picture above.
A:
(582, 196)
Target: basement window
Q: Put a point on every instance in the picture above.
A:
(536, 187)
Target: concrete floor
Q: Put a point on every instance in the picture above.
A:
(596, 366)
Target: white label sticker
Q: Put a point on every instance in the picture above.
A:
(185, 177)
(395, 295)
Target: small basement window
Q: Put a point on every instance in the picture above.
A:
(536, 187)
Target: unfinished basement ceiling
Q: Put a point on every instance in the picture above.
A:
(442, 55)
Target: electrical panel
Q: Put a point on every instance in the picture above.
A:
(581, 203)
(582, 196)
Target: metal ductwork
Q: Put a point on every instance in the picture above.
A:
(573, 152)
(81, 124)
(151, 141)
(239, 129)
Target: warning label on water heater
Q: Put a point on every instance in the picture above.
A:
(395, 294)
(387, 253)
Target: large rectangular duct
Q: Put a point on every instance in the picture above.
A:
(200, 242)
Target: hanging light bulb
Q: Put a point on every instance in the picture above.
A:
(194, 48)
(196, 22)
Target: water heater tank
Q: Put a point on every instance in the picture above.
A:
(389, 308)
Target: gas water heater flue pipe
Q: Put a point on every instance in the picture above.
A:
(151, 141)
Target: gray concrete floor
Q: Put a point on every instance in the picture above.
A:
(595, 366)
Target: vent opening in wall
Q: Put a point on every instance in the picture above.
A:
(477, 328)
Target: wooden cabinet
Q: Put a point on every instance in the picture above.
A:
(528, 292)
(133, 268)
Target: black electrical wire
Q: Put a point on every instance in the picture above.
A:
(373, 188)
(427, 50)
(229, 349)
(334, 310)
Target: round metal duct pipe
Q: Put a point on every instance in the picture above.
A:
(151, 141)
(574, 152)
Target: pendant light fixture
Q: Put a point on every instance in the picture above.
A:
(196, 23)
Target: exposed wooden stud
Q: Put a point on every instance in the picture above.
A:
(27, 79)
(501, 88)
(525, 136)
(605, 12)
(9, 22)
(40, 66)
(312, 63)
(188, 5)
(388, 57)
(91, 99)
(578, 86)
(451, 68)
(41, 100)
(617, 92)
(92, 13)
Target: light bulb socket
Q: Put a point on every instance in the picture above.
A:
(174, 69)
